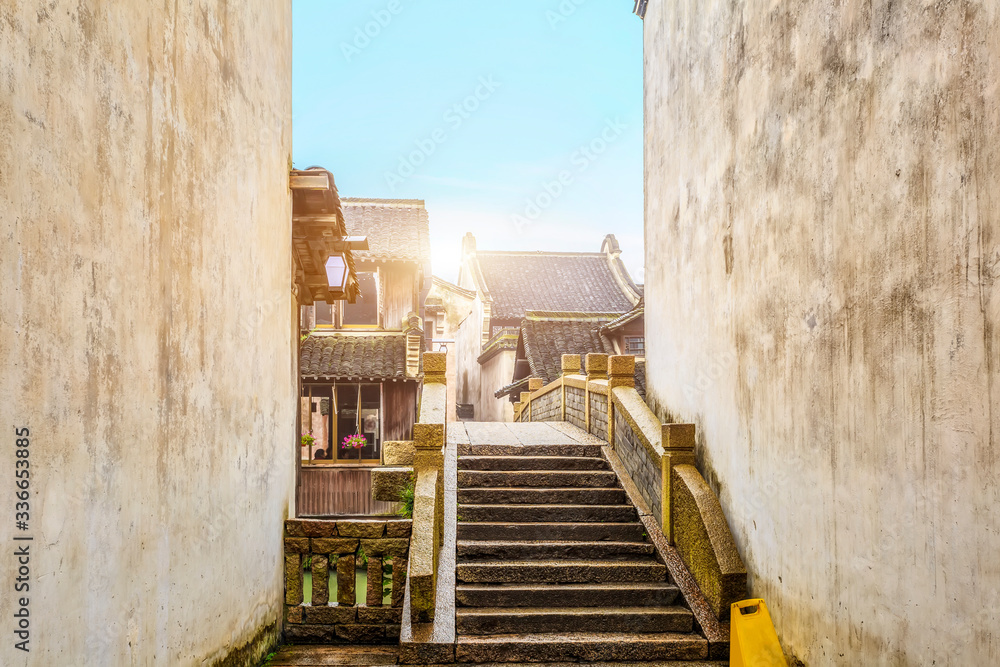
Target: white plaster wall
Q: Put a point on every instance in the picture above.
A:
(469, 343)
(496, 373)
(145, 324)
(822, 253)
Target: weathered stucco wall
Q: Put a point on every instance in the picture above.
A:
(145, 325)
(495, 373)
(822, 251)
(469, 344)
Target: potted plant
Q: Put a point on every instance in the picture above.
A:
(356, 441)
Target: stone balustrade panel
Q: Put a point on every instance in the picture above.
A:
(322, 561)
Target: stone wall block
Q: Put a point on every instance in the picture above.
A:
(293, 579)
(320, 580)
(334, 545)
(366, 529)
(399, 566)
(373, 596)
(346, 582)
(296, 545)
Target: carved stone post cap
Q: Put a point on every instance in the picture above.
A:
(621, 371)
(428, 436)
(597, 366)
(621, 364)
(570, 364)
(435, 366)
(678, 437)
(535, 383)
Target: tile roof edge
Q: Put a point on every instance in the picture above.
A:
(365, 201)
(569, 316)
(631, 316)
(525, 340)
(539, 253)
(453, 287)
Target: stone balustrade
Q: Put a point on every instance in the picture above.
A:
(420, 462)
(659, 458)
(322, 558)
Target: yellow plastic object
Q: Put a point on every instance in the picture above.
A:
(752, 639)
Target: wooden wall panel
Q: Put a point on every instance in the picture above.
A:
(337, 491)
(398, 295)
(400, 402)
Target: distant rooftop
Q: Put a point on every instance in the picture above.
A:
(397, 229)
(550, 281)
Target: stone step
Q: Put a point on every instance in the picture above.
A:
(517, 620)
(537, 479)
(580, 646)
(646, 594)
(531, 463)
(552, 531)
(517, 550)
(524, 513)
(560, 571)
(529, 496)
(529, 450)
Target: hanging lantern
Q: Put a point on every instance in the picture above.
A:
(336, 274)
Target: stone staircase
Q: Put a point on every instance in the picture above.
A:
(553, 564)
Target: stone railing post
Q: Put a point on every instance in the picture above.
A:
(534, 384)
(678, 449)
(428, 495)
(435, 367)
(621, 373)
(597, 369)
(570, 366)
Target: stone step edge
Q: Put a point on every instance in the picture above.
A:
(547, 506)
(569, 562)
(673, 609)
(525, 543)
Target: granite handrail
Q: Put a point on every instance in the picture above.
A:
(658, 457)
(428, 491)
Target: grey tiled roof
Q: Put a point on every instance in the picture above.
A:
(397, 229)
(505, 339)
(634, 314)
(547, 338)
(521, 281)
(368, 355)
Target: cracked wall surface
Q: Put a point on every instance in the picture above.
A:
(146, 323)
(822, 254)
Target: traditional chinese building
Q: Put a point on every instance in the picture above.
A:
(360, 361)
(594, 288)
(445, 308)
(544, 337)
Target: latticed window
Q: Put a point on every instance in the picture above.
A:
(635, 345)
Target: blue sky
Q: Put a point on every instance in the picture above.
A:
(520, 121)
